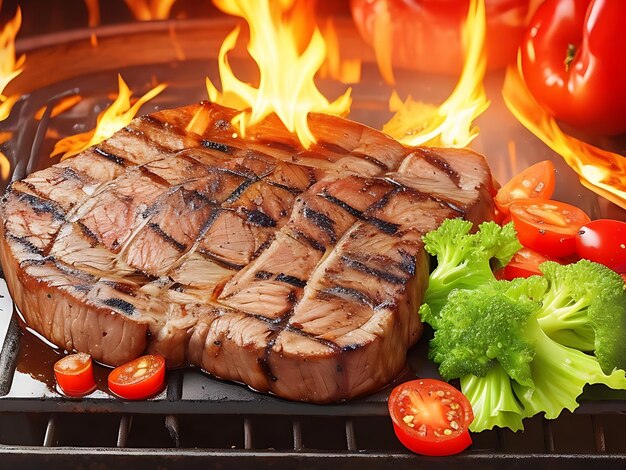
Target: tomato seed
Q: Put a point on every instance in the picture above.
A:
(139, 372)
(447, 432)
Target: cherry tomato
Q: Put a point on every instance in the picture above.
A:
(431, 417)
(603, 241)
(426, 34)
(536, 181)
(550, 227)
(137, 379)
(570, 64)
(74, 374)
(525, 263)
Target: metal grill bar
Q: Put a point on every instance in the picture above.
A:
(350, 437)
(126, 423)
(548, 435)
(598, 433)
(297, 435)
(50, 438)
(247, 434)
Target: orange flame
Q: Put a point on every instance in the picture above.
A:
(148, 10)
(5, 165)
(286, 85)
(109, 121)
(9, 66)
(65, 104)
(599, 170)
(93, 12)
(343, 70)
(451, 124)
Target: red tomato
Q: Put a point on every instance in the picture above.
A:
(550, 227)
(525, 263)
(426, 34)
(431, 417)
(536, 181)
(571, 64)
(603, 241)
(137, 379)
(74, 374)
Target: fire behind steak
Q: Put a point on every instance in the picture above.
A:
(296, 272)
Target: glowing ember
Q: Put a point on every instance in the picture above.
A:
(9, 66)
(286, 85)
(343, 70)
(65, 104)
(112, 119)
(601, 171)
(148, 10)
(449, 125)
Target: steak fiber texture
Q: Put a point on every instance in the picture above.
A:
(297, 272)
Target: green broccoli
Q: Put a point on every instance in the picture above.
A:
(527, 346)
(585, 308)
(464, 259)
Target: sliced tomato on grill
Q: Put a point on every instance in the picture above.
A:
(550, 227)
(74, 375)
(431, 417)
(525, 263)
(535, 182)
(138, 379)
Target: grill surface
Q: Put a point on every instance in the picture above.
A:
(198, 417)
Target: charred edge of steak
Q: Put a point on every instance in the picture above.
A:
(322, 221)
(362, 267)
(215, 146)
(120, 305)
(431, 157)
(110, 156)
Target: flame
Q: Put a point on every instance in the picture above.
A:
(147, 10)
(286, 85)
(65, 104)
(9, 66)
(382, 38)
(449, 125)
(343, 70)
(599, 170)
(112, 119)
(5, 165)
(93, 12)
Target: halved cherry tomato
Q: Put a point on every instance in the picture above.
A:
(137, 379)
(603, 241)
(74, 374)
(536, 181)
(431, 417)
(550, 227)
(525, 263)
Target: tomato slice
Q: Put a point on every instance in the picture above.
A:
(536, 181)
(138, 379)
(603, 241)
(525, 263)
(74, 375)
(431, 417)
(550, 227)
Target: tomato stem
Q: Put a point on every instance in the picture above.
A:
(569, 56)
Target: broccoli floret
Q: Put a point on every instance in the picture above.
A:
(464, 259)
(559, 375)
(480, 326)
(493, 400)
(585, 308)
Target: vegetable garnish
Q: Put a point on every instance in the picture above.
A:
(536, 181)
(603, 241)
(570, 64)
(529, 345)
(525, 263)
(550, 227)
(431, 417)
(138, 379)
(74, 375)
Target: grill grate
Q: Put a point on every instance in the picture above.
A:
(199, 417)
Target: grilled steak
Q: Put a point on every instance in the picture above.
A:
(298, 272)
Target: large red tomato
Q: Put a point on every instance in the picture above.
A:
(426, 34)
(573, 62)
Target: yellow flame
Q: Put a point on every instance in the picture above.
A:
(382, 39)
(599, 170)
(9, 66)
(343, 70)
(65, 104)
(109, 121)
(451, 124)
(148, 10)
(286, 85)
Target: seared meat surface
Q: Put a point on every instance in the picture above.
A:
(298, 272)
